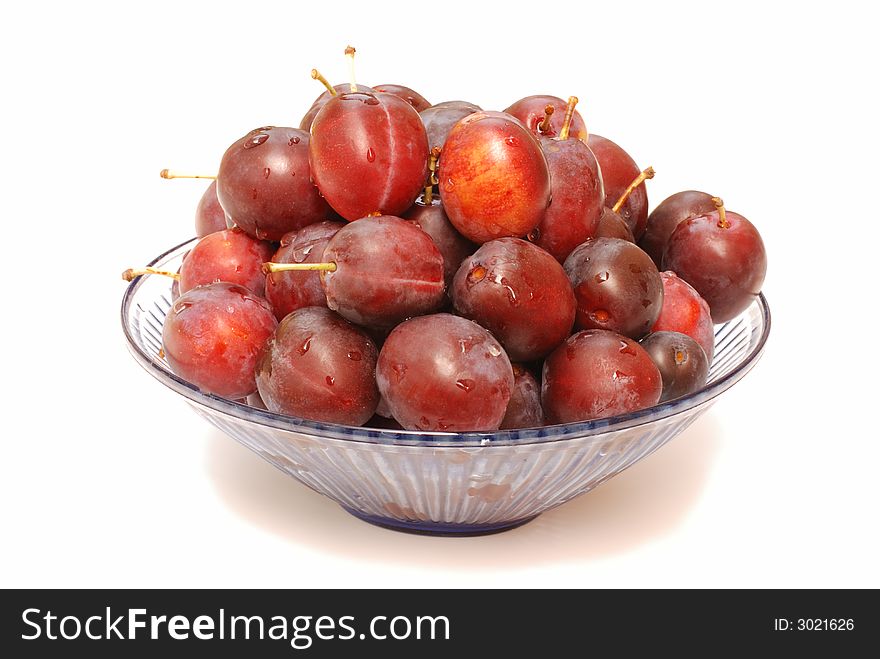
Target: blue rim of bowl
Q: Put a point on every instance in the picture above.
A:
(522, 437)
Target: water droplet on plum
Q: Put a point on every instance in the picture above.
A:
(256, 140)
(511, 294)
(466, 384)
(180, 307)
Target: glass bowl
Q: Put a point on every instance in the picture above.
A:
(442, 483)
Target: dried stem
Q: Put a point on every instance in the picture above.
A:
(349, 53)
(132, 273)
(170, 173)
(569, 113)
(722, 214)
(269, 267)
(432, 178)
(316, 75)
(544, 126)
(641, 178)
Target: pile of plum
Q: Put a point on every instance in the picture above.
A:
(394, 263)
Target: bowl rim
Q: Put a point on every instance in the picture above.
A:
(596, 428)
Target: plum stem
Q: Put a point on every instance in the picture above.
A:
(132, 273)
(722, 214)
(544, 126)
(432, 178)
(170, 173)
(316, 75)
(641, 178)
(349, 53)
(569, 113)
(269, 267)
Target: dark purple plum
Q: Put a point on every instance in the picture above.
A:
(617, 287)
(596, 374)
(721, 254)
(681, 361)
(319, 366)
(440, 118)
(524, 409)
(387, 270)
(454, 247)
(213, 334)
(444, 373)
(264, 183)
(669, 214)
(612, 225)
(518, 292)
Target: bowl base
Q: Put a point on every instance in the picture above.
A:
(437, 528)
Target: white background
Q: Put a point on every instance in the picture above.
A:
(108, 479)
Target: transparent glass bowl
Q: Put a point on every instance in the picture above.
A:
(443, 483)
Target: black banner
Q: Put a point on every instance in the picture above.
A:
(317, 623)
